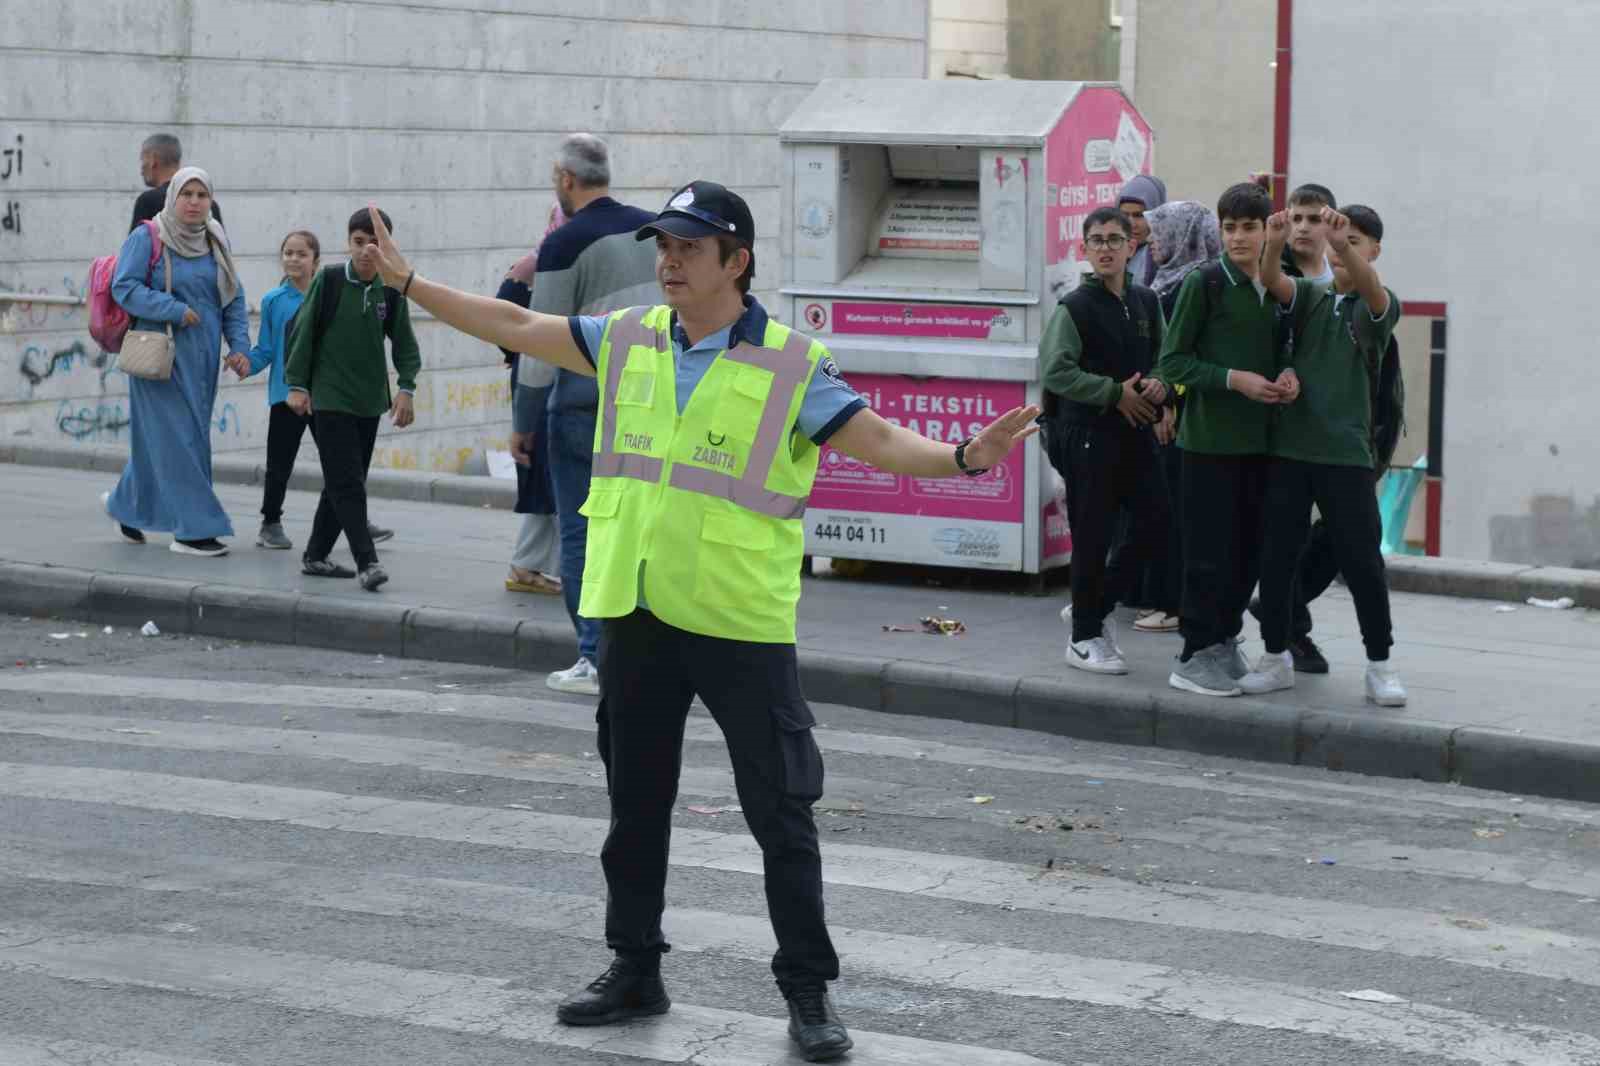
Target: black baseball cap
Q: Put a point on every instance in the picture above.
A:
(702, 209)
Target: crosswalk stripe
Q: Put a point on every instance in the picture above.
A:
(18, 1050)
(464, 1003)
(1418, 934)
(1539, 872)
(1417, 1028)
(1348, 794)
(844, 793)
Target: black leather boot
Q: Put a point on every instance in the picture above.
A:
(814, 1024)
(626, 990)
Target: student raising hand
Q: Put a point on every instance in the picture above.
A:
(392, 266)
(1338, 228)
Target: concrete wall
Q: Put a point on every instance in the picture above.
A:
(967, 38)
(1061, 40)
(447, 112)
(1201, 73)
(1463, 124)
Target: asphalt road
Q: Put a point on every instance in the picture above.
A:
(214, 852)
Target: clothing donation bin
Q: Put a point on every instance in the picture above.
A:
(929, 227)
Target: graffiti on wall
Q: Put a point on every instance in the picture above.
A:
(10, 210)
(36, 366)
(91, 423)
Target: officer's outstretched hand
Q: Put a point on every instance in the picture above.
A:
(990, 447)
(392, 266)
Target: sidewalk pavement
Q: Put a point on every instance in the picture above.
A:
(1504, 699)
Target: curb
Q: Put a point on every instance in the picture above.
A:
(1089, 708)
(234, 469)
(1465, 578)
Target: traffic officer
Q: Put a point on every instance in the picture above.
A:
(710, 420)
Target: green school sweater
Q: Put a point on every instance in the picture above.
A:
(1331, 422)
(348, 371)
(1202, 344)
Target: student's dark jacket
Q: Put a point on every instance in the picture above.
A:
(1120, 337)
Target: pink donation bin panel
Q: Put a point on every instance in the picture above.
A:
(930, 230)
(969, 521)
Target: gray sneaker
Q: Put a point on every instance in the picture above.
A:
(1206, 673)
(372, 577)
(273, 536)
(378, 533)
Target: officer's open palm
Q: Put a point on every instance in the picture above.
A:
(991, 447)
(392, 266)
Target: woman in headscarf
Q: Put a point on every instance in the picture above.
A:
(166, 485)
(1183, 236)
(1142, 195)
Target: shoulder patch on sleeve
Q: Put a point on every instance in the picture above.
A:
(830, 370)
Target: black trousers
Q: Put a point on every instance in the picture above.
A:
(1317, 568)
(1107, 472)
(1160, 584)
(649, 673)
(1349, 506)
(1223, 497)
(284, 432)
(345, 443)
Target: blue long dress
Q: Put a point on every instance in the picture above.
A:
(166, 486)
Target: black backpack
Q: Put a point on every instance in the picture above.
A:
(328, 305)
(1388, 404)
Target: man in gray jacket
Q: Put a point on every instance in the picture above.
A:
(589, 266)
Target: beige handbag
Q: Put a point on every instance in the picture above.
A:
(148, 353)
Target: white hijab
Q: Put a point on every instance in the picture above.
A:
(194, 241)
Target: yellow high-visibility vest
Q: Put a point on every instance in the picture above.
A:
(709, 502)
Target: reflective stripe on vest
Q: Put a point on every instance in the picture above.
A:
(627, 331)
(788, 366)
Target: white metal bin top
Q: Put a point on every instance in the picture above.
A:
(922, 111)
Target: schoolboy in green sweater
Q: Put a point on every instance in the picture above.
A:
(1221, 346)
(1322, 449)
(337, 371)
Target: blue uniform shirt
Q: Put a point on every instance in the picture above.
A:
(829, 402)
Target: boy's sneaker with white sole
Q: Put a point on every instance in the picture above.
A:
(1383, 686)
(1273, 673)
(1097, 655)
(1206, 673)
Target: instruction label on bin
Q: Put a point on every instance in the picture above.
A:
(924, 225)
(858, 511)
(883, 319)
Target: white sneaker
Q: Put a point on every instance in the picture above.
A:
(1383, 686)
(1272, 673)
(1097, 655)
(581, 677)
(1066, 612)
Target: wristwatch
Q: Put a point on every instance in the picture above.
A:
(961, 460)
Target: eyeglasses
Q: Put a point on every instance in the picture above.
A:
(1097, 242)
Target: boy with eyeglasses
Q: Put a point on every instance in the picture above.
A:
(1095, 360)
(1322, 448)
(1223, 347)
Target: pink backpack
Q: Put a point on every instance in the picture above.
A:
(108, 322)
